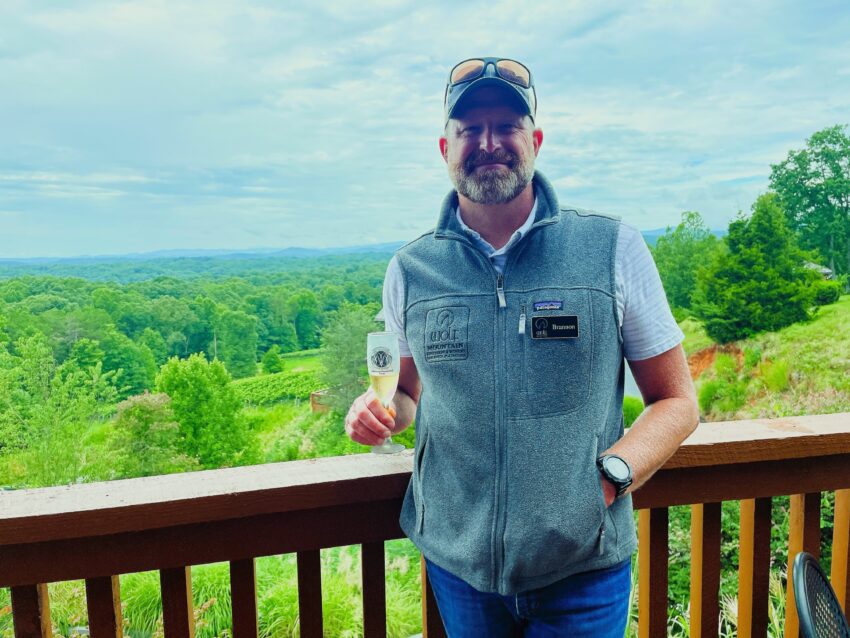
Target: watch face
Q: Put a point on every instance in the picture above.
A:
(617, 468)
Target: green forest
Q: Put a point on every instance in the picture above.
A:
(118, 368)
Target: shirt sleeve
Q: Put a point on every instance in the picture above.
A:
(648, 326)
(393, 300)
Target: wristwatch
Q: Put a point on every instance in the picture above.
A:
(616, 470)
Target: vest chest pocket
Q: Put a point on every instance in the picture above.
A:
(556, 354)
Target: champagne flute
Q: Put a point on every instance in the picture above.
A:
(383, 361)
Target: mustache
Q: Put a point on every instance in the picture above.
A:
(483, 157)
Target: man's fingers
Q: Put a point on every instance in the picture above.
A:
(363, 425)
(384, 415)
(362, 435)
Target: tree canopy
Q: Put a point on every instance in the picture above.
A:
(759, 282)
(679, 253)
(813, 185)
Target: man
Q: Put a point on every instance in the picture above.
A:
(514, 315)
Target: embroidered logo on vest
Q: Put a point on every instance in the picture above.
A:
(446, 333)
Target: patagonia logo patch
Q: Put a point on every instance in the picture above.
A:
(559, 327)
(548, 305)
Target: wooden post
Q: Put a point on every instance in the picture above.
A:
(840, 574)
(103, 600)
(754, 568)
(31, 611)
(243, 596)
(310, 594)
(652, 577)
(374, 590)
(803, 534)
(705, 569)
(178, 617)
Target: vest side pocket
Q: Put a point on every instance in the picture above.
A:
(420, 499)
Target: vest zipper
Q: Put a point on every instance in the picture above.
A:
(522, 323)
(500, 291)
(500, 478)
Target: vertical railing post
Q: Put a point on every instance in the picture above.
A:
(178, 615)
(373, 573)
(243, 598)
(705, 569)
(652, 566)
(310, 594)
(840, 574)
(803, 535)
(754, 568)
(31, 611)
(103, 601)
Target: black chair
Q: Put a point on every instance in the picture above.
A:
(817, 605)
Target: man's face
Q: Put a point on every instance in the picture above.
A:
(490, 149)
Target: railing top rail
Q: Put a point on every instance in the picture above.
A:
(161, 501)
(725, 442)
(109, 507)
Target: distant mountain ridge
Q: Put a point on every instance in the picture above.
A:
(650, 236)
(219, 253)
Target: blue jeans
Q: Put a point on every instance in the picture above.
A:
(591, 604)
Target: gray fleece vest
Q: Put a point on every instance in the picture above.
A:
(505, 492)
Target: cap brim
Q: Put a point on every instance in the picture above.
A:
(514, 95)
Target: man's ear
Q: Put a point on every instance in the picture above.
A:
(444, 148)
(537, 136)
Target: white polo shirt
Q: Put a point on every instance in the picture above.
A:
(642, 310)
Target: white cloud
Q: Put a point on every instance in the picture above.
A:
(308, 122)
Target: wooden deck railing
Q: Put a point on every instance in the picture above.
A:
(168, 523)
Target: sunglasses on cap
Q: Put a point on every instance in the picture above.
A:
(510, 70)
(470, 74)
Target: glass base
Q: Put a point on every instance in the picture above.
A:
(388, 447)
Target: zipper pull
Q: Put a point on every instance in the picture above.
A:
(500, 291)
(522, 321)
(602, 539)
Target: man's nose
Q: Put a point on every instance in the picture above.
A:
(490, 140)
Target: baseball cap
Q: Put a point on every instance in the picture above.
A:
(468, 76)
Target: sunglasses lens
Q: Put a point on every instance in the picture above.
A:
(467, 71)
(514, 72)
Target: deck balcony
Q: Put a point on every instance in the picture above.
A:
(169, 523)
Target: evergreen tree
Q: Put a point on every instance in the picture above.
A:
(271, 360)
(759, 283)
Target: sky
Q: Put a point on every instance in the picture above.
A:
(139, 126)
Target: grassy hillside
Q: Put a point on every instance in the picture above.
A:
(802, 369)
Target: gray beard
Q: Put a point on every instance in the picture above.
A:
(492, 186)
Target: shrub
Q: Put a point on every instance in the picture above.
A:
(206, 407)
(752, 357)
(708, 393)
(775, 375)
(147, 438)
(827, 292)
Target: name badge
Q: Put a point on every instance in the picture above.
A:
(561, 327)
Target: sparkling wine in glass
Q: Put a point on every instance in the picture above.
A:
(383, 361)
